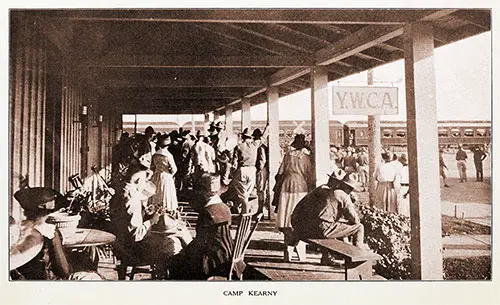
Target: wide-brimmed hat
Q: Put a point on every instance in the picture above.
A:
(299, 141)
(336, 176)
(220, 124)
(352, 180)
(28, 244)
(257, 133)
(32, 199)
(246, 133)
(164, 140)
(149, 130)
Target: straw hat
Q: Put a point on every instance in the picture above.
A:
(26, 247)
(352, 180)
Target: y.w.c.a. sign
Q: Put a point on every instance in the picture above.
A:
(365, 100)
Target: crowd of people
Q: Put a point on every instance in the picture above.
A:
(221, 174)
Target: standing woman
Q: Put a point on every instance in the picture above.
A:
(164, 169)
(296, 173)
(388, 179)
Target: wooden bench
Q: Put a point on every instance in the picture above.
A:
(358, 262)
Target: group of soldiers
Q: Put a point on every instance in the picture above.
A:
(240, 163)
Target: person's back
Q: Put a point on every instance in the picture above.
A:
(316, 207)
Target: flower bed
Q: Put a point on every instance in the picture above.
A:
(388, 234)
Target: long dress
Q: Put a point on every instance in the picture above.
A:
(296, 170)
(164, 169)
(388, 179)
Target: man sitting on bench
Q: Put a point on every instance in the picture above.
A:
(328, 212)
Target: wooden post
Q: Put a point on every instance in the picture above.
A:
(319, 124)
(273, 141)
(374, 147)
(206, 123)
(246, 119)
(425, 208)
(229, 119)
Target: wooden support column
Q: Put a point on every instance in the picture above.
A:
(229, 118)
(273, 141)
(319, 124)
(425, 207)
(374, 147)
(206, 122)
(246, 119)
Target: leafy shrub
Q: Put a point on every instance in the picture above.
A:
(388, 234)
(467, 268)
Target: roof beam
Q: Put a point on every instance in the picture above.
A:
(236, 39)
(346, 47)
(316, 16)
(178, 82)
(275, 34)
(155, 61)
(478, 18)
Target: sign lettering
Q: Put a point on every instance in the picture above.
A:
(365, 100)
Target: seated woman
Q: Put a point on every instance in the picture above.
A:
(38, 253)
(209, 254)
(134, 242)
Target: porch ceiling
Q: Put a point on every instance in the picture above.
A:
(191, 61)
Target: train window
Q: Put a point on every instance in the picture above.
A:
(387, 133)
(401, 133)
(339, 133)
(282, 132)
(481, 132)
(362, 133)
(468, 133)
(455, 133)
(443, 133)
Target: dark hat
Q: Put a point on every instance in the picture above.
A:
(149, 130)
(299, 141)
(32, 199)
(336, 177)
(246, 133)
(219, 124)
(257, 133)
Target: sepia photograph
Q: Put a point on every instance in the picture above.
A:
(251, 145)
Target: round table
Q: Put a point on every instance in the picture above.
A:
(82, 247)
(88, 238)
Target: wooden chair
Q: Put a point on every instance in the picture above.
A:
(242, 240)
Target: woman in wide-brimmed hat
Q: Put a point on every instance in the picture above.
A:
(209, 254)
(164, 169)
(38, 252)
(296, 181)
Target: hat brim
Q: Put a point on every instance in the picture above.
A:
(356, 186)
(29, 244)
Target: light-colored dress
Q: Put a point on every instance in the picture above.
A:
(296, 170)
(388, 179)
(164, 168)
